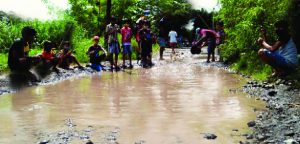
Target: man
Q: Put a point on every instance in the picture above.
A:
(18, 59)
(112, 30)
(282, 55)
(207, 37)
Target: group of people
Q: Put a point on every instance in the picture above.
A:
(282, 55)
(19, 60)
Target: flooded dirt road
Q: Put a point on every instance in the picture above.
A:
(174, 102)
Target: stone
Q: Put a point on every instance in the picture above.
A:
(250, 136)
(251, 124)
(272, 93)
(210, 136)
(89, 142)
(236, 130)
(291, 141)
(44, 142)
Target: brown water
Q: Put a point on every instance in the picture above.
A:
(173, 102)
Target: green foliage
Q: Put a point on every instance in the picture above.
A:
(3, 62)
(243, 20)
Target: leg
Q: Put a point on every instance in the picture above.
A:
(213, 54)
(161, 52)
(274, 60)
(74, 59)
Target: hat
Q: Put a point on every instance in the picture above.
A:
(96, 38)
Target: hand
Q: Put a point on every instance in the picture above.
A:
(260, 41)
(22, 60)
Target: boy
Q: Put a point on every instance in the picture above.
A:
(66, 57)
(112, 30)
(282, 55)
(93, 53)
(18, 58)
(173, 39)
(126, 33)
(48, 57)
(146, 44)
(162, 36)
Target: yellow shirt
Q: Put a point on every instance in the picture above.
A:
(26, 48)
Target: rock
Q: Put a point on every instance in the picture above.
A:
(236, 130)
(272, 93)
(251, 124)
(261, 137)
(44, 142)
(291, 141)
(210, 136)
(289, 133)
(250, 136)
(89, 142)
(244, 142)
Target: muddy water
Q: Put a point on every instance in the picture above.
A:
(174, 102)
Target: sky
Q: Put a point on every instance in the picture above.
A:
(31, 8)
(37, 9)
(209, 5)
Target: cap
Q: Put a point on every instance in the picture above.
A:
(96, 38)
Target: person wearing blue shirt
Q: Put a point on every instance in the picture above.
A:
(282, 55)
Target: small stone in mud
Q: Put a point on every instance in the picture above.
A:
(210, 136)
(261, 137)
(272, 93)
(244, 142)
(251, 124)
(289, 133)
(44, 142)
(250, 136)
(291, 141)
(89, 142)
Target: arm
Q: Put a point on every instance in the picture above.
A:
(273, 47)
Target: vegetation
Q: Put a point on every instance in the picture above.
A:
(86, 18)
(243, 21)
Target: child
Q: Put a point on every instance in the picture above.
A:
(126, 42)
(111, 31)
(146, 44)
(48, 57)
(173, 40)
(95, 57)
(66, 57)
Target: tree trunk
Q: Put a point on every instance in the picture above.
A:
(108, 10)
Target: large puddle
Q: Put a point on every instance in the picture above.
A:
(171, 103)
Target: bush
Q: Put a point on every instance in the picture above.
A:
(243, 20)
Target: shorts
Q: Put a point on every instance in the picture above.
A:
(278, 61)
(173, 44)
(113, 48)
(211, 47)
(161, 42)
(127, 49)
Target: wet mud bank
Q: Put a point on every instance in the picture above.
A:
(280, 123)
